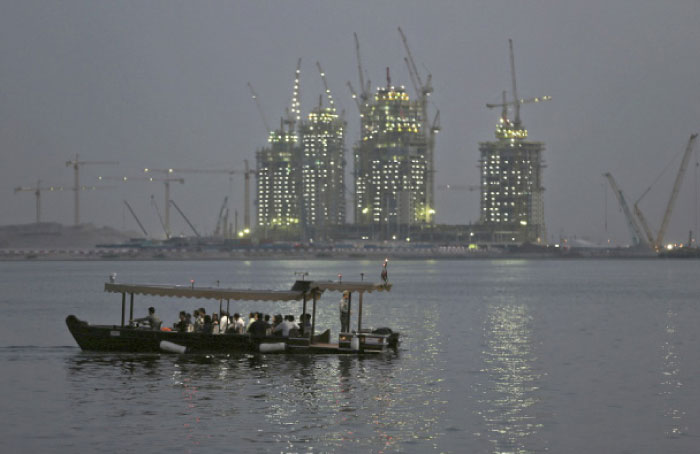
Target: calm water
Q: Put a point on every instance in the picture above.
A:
(497, 357)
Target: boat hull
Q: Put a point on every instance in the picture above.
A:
(115, 338)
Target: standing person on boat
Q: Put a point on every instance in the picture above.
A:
(215, 323)
(223, 322)
(345, 312)
(305, 320)
(153, 321)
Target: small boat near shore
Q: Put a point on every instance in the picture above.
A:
(126, 338)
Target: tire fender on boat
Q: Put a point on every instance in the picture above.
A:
(273, 347)
(171, 347)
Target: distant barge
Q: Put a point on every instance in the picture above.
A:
(125, 338)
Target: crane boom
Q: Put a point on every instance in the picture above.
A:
(676, 189)
(364, 92)
(637, 236)
(410, 59)
(219, 219)
(185, 218)
(260, 110)
(145, 233)
(355, 97)
(325, 85)
(644, 224)
(160, 218)
(515, 89)
(520, 101)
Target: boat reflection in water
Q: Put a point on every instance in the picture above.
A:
(509, 388)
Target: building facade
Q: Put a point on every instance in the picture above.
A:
(278, 182)
(323, 171)
(512, 208)
(391, 166)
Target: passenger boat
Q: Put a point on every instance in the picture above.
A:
(127, 338)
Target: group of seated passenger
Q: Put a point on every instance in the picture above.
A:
(259, 325)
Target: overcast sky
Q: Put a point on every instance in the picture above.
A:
(163, 84)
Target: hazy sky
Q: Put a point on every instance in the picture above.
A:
(163, 84)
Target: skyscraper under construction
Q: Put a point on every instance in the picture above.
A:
(391, 164)
(393, 160)
(278, 174)
(323, 170)
(301, 174)
(512, 208)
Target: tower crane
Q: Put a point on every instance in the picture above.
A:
(657, 242)
(166, 180)
(423, 90)
(246, 172)
(637, 236)
(37, 190)
(260, 110)
(76, 164)
(517, 101)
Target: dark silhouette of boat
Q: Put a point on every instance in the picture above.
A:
(128, 338)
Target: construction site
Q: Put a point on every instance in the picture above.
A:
(305, 192)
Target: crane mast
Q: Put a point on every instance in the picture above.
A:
(76, 164)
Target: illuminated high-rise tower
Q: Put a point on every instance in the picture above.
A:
(391, 166)
(278, 173)
(511, 185)
(323, 170)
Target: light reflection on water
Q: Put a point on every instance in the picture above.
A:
(671, 385)
(509, 388)
(292, 403)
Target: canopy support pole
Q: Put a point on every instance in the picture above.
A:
(131, 307)
(123, 307)
(313, 317)
(359, 314)
(349, 312)
(303, 315)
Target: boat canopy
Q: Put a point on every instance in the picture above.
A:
(361, 287)
(214, 293)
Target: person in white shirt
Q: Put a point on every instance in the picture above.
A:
(223, 322)
(238, 325)
(286, 326)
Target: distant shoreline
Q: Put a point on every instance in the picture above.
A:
(446, 253)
